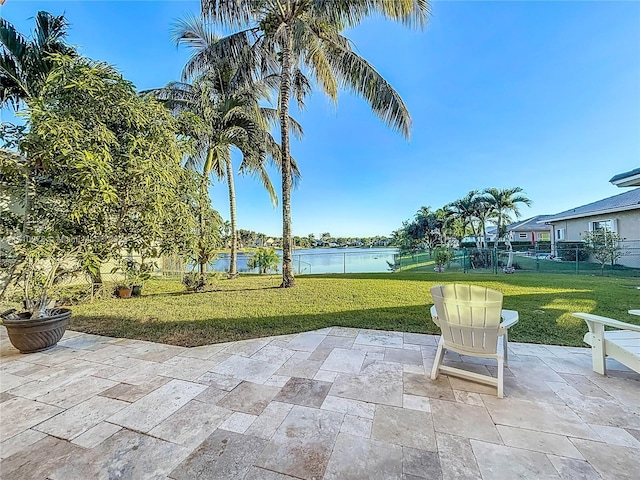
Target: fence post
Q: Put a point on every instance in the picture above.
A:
(344, 262)
(577, 261)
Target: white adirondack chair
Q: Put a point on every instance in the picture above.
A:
(623, 344)
(471, 320)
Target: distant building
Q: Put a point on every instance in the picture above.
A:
(619, 214)
(532, 230)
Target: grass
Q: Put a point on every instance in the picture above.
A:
(254, 306)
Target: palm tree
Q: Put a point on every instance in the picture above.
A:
(466, 209)
(292, 38)
(482, 211)
(503, 203)
(225, 120)
(428, 228)
(446, 219)
(228, 105)
(25, 63)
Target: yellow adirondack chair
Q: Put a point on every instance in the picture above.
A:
(472, 321)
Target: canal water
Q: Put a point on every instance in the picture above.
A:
(324, 260)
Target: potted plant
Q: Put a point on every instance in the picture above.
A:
(124, 291)
(137, 274)
(41, 325)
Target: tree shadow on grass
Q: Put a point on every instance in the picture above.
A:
(543, 319)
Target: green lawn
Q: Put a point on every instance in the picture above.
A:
(253, 306)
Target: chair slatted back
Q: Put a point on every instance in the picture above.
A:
(469, 316)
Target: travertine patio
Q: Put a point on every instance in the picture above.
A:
(337, 403)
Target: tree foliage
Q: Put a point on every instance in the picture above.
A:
(26, 62)
(604, 246)
(101, 171)
(264, 259)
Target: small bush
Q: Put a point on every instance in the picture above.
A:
(442, 256)
(195, 282)
(264, 259)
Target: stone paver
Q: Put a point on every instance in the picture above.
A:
(301, 447)
(304, 391)
(155, 407)
(223, 455)
(352, 456)
(336, 403)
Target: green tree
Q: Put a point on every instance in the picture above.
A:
(405, 238)
(102, 165)
(264, 259)
(465, 210)
(306, 37)
(301, 242)
(26, 62)
(427, 228)
(604, 246)
(194, 230)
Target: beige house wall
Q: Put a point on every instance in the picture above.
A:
(627, 226)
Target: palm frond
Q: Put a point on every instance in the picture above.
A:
(231, 13)
(272, 115)
(359, 76)
(301, 87)
(316, 59)
(413, 13)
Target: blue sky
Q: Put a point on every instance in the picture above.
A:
(541, 95)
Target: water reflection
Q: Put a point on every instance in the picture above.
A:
(323, 260)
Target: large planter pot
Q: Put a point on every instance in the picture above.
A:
(136, 290)
(39, 334)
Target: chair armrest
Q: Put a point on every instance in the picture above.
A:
(434, 315)
(509, 318)
(634, 312)
(610, 322)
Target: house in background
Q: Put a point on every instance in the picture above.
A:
(619, 214)
(531, 230)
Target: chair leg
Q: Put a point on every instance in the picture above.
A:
(505, 344)
(598, 354)
(500, 377)
(438, 360)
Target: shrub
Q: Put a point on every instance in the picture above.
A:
(442, 256)
(195, 282)
(264, 259)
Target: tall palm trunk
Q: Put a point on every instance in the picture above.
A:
(288, 279)
(203, 189)
(233, 257)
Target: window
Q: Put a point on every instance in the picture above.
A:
(522, 235)
(544, 236)
(560, 234)
(603, 226)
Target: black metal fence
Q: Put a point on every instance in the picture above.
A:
(563, 257)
